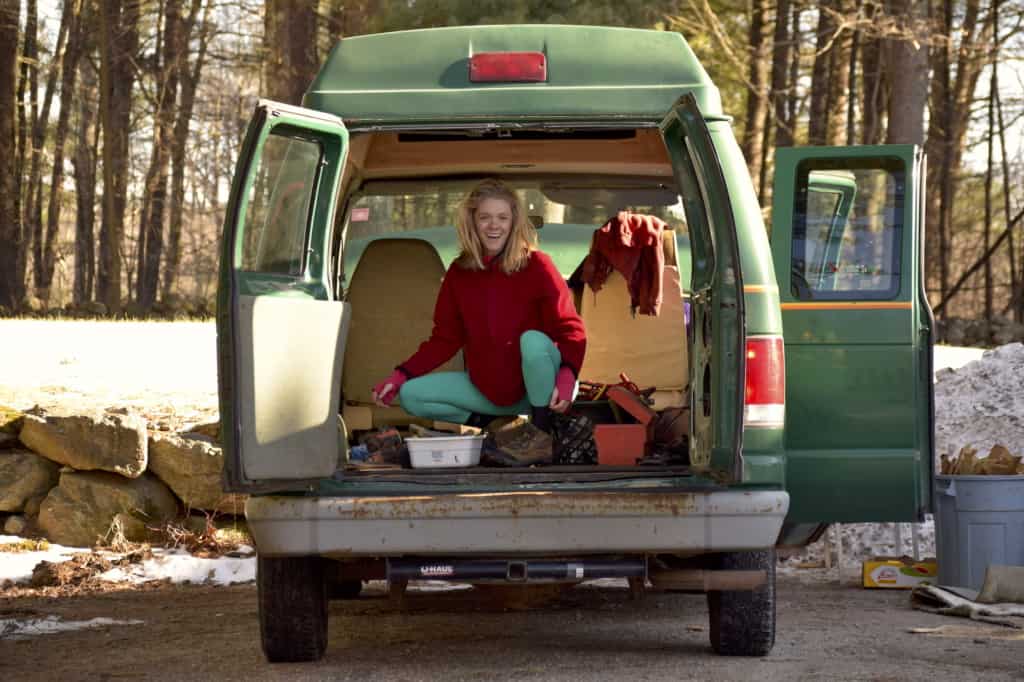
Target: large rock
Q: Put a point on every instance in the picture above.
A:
(10, 420)
(23, 476)
(79, 512)
(191, 465)
(106, 441)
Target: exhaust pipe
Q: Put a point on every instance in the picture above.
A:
(513, 570)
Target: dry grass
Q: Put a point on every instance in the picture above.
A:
(25, 545)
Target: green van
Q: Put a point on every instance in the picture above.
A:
(805, 360)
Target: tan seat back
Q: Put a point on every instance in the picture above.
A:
(651, 351)
(392, 292)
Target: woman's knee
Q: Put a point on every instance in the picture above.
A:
(410, 396)
(533, 341)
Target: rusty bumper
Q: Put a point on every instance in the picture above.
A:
(518, 523)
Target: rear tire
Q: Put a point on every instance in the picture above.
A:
(742, 623)
(293, 608)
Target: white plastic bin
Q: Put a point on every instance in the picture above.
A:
(441, 452)
(979, 520)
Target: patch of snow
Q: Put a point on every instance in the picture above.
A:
(179, 566)
(955, 357)
(175, 565)
(17, 566)
(20, 629)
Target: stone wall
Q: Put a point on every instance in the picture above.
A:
(84, 479)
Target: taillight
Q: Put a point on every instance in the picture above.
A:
(764, 402)
(508, 67)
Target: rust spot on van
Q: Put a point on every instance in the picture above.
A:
(520, 504)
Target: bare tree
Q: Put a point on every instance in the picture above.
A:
(46, 243)
(189, 76)
(119, 42)
(907, 70)
(759, 47)
(290, 60)
(84, 161)
(10, 220)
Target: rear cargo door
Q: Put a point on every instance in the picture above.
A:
(717, 324)
(280, 336)
(846, 240)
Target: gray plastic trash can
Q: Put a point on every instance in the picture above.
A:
(979, 520)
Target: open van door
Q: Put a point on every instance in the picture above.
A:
(717, 361)
(847, 232)
(280, 337)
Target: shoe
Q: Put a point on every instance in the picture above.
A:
(519, 445)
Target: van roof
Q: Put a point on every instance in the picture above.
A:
(594, 73)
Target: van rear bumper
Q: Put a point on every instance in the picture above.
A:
(517, 522)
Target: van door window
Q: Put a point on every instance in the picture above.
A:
(278, 209)
(847, 232)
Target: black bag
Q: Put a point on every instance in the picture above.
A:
(573, 436)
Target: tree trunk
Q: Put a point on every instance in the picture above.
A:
(119, 41)
(793, 101)
(820, 75)
(10, 173)
(189, 76)
(780, 64)
(27, 111)
(908, 74)
(757, 91)
(84, 161)
(839, 70)
(69, 73)
(34, 212)
(290, 45)
(152, 220)
(872, 92)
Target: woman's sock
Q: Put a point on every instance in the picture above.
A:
(541, 418)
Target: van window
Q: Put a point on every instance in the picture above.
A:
(568, 211)
(278, 209)
(848, 225)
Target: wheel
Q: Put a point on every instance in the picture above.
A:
(293, 608)
(344, 589)
(742, 623)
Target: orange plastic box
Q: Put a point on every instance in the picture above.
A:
(620, 444)
(624, 444)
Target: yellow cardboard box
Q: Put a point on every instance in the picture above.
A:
(899, 572)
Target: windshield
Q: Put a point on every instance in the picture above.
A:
(566, 211)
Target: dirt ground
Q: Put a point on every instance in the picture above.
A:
(824, 632)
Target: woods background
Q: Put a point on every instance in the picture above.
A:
(120, 121)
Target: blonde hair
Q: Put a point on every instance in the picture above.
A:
(522, 238)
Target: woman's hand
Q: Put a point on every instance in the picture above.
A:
(386, 391)
(556, 404)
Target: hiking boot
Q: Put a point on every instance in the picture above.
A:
(520, 445)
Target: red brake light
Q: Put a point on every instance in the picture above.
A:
(765, 391)
(508, 67)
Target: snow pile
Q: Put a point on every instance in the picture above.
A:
(982, 403)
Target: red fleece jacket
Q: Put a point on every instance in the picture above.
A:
(485, 312)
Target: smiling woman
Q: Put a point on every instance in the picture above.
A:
(501, 294)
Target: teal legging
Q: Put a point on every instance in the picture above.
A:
(452, 397)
